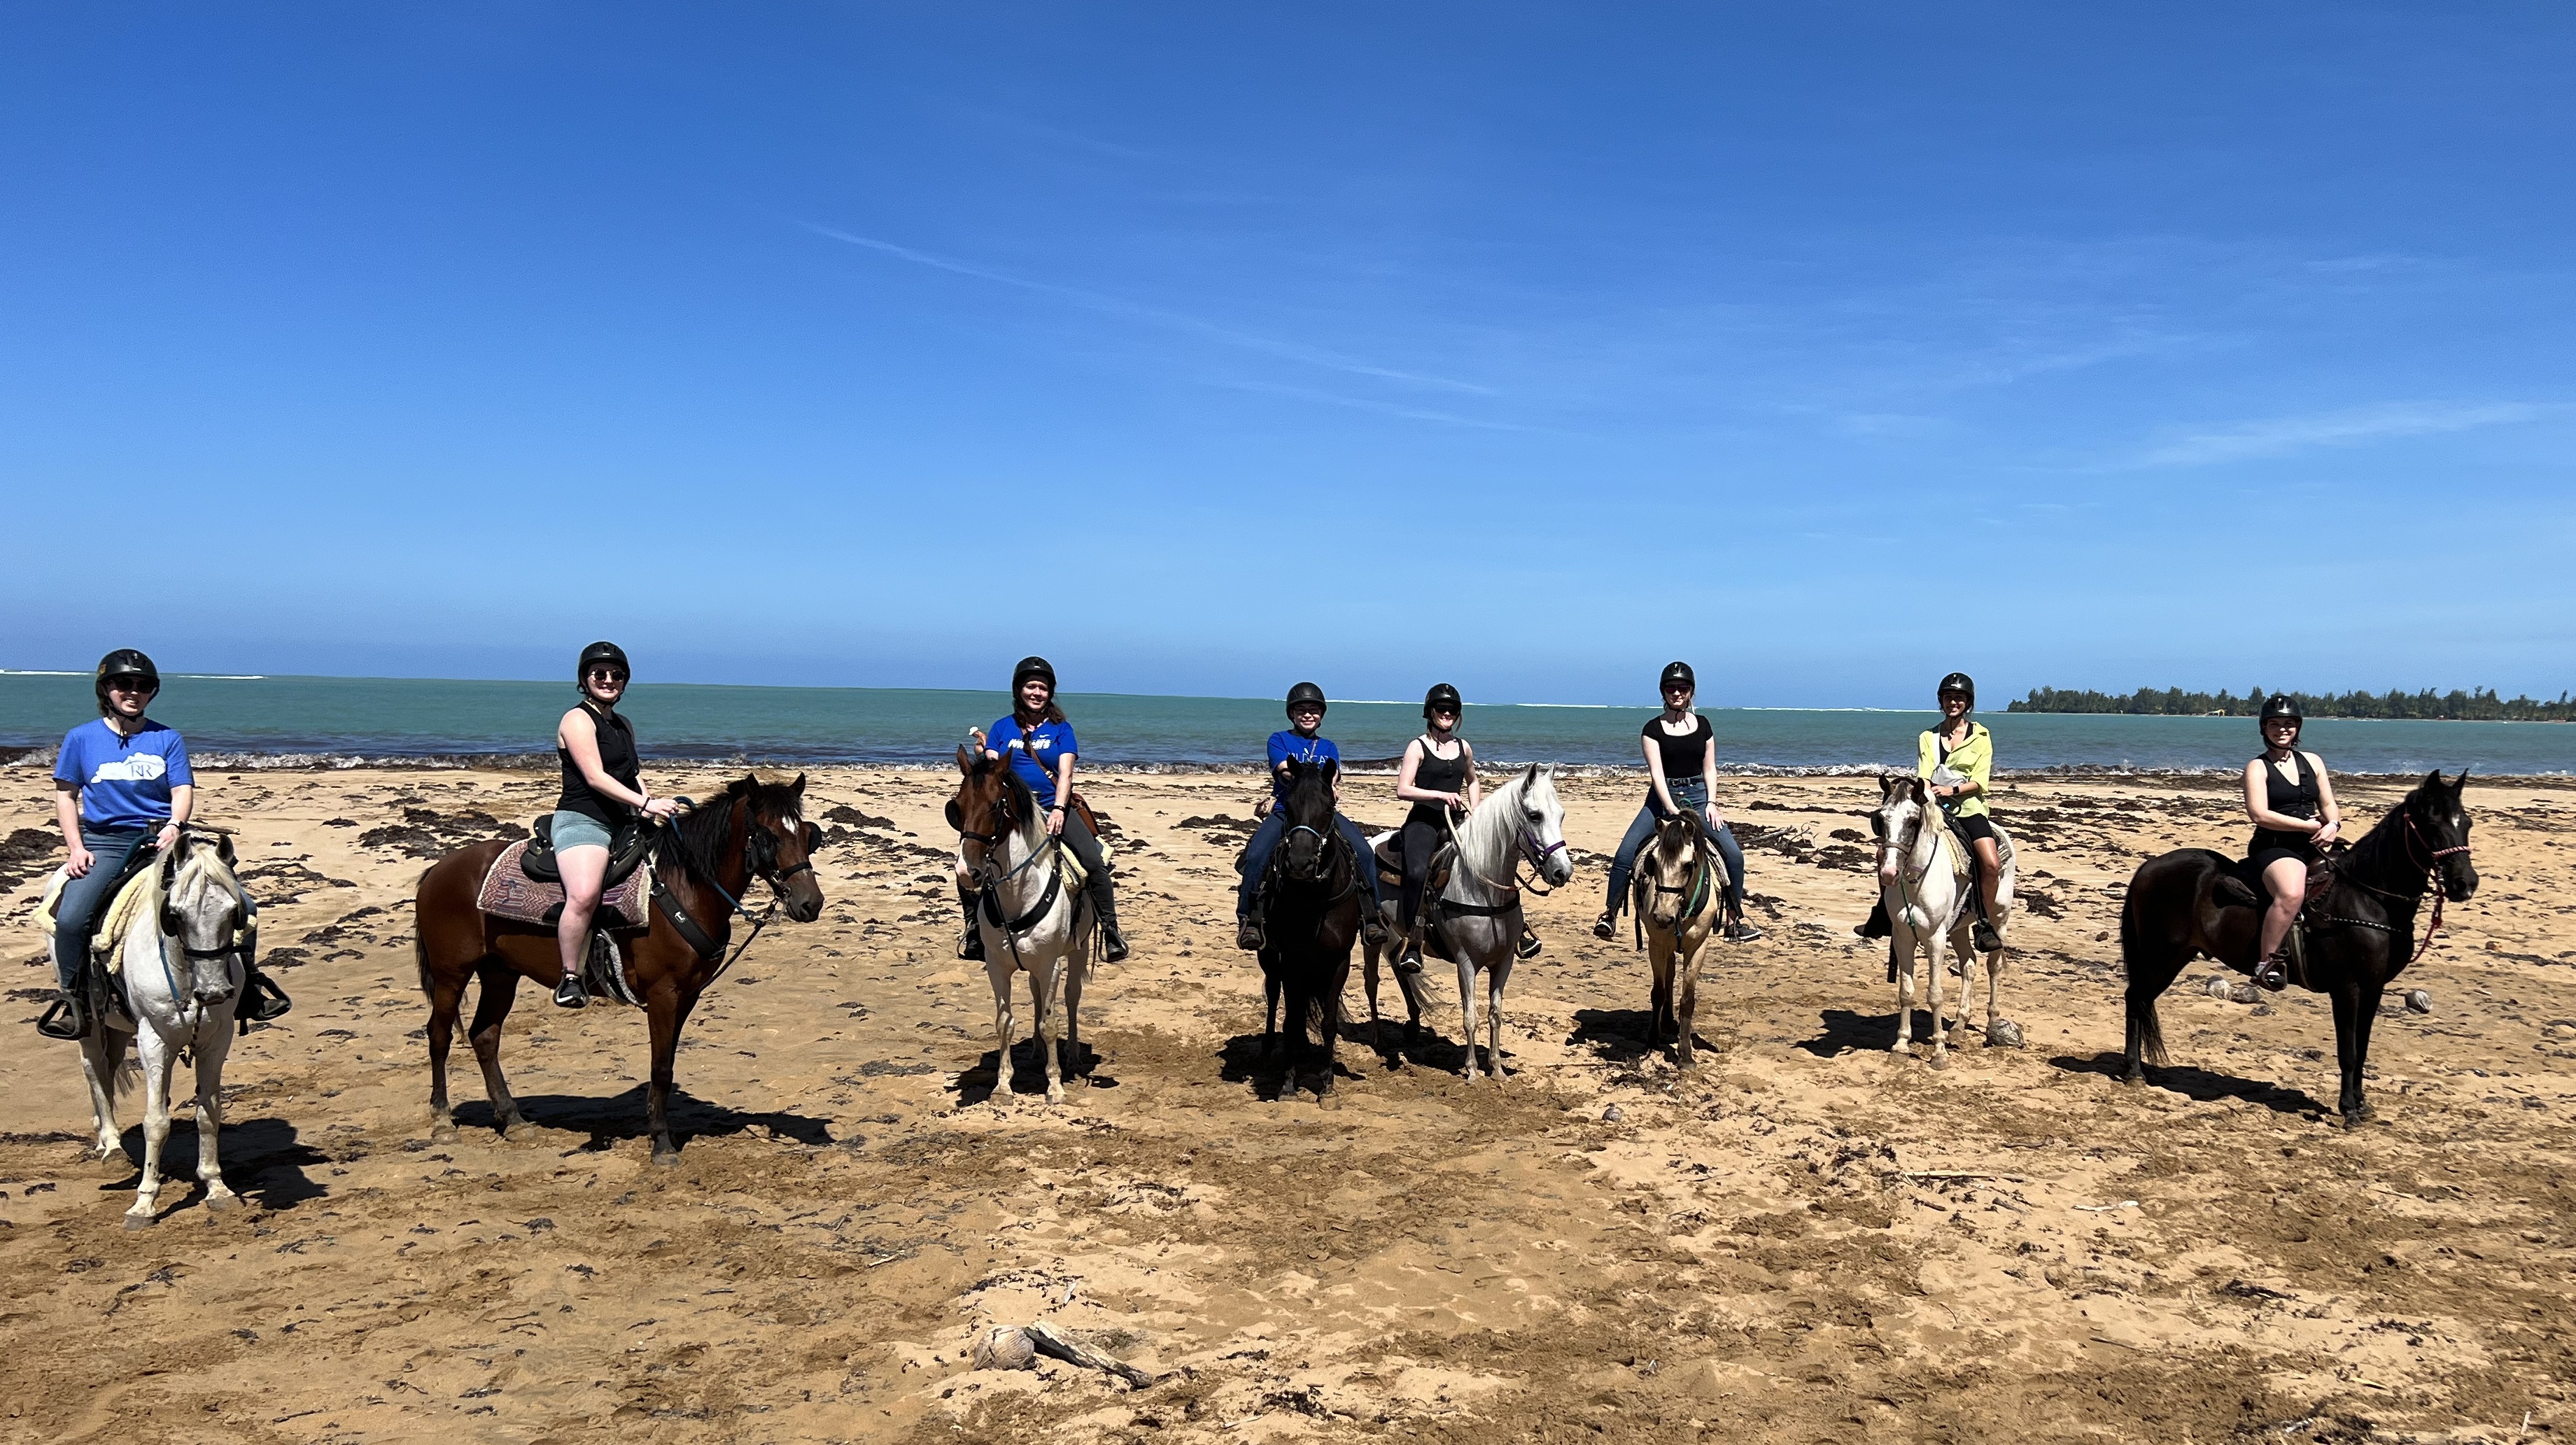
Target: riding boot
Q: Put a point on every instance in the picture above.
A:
(1739, 931)
(1408, 959)
(1529, 946)
(1113, 944)
(970, 944)
(1372, 924)
(1607, 925)
(1876, 925)
(1983, 935)
(570, 993)
(262, 1001)
(1247, 933)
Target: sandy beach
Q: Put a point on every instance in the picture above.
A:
(1808, 1240)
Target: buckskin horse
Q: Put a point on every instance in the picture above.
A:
(1680, 891)
(702, 862)
(2359, 922)
(1031, 912)
(1310, 917)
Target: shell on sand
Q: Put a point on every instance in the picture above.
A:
(1005, 1347)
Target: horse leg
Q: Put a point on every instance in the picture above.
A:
(1076, 969)
(2151, 966)
(1270, 1013)
(2352, 1045)
(1495, 978)
(102, 1054)
(1659, 1000)
(665, 1011)
(1368, 981)
(1045, 984)
(1332, 1006)
(1467, 1007)
(500, 985)
(157, 1061)
(214, 1041)
(1686, 1011)
(446, 996)
(1903, 944)
(1000, 969)
(1939, 976)
(2365, 1012)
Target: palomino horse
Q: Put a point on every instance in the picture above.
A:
(1476, 920)
(1929, 901)
(180, 976)
(2359, 923)
(701, 864)
(1032, 918)
(1310, 919)
(1680, 890)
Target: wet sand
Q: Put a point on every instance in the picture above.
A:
(1810, 1239)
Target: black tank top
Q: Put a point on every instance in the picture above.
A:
(1436, 774)
(616, 758)
(1682, 755)
(2295, 800)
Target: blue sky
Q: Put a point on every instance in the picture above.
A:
(1204, 348)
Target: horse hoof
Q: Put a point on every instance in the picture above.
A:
(667, 1158)
(140, 1221)
(442, 1134)
(516, 1131)
(1938, 1060)
(222, 1203)
(1901, 1048)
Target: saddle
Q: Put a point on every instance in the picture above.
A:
(133, 892)
(512, 889)
(1388, 849)
(628, 847)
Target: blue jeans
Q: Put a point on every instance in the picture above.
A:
(1265, 841)
(76, 915)
(1694, 796)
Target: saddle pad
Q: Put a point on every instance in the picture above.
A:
(107, 940)
(508, 892)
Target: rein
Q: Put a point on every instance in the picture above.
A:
(2431, 883)
(988, 892)
(759, 859)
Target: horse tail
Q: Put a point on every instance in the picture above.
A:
(2144, 1025)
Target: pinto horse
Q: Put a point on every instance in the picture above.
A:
(2360, 923)
(1310, 918)
(1032, 916)
(702, 863)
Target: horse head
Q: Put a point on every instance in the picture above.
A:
(1542, 825)
(1306, 854)
(990, 802)
(1898, 820)
(780, 844)
(1672, 862)
(204, 908)
(2437, 833)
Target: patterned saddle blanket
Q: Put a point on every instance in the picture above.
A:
(508, 892)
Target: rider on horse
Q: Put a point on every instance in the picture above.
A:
(1438, 777)
(120, 781)
(1301, 742)
(1681, 772)
(1039, 745)
(1958, 759)
(603, 791)
(2294, 813)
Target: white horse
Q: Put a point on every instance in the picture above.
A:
(1928, 902)
(180, 972)
(1029, 912)
(1478, 915)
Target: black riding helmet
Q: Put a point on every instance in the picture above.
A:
(1960, 683)
(124, 662)
(599, 652)
(1306, 692)
(1676, 672)
(2280, 705)
(1442, 694)
(1037, 667)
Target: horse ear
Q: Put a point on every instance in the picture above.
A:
(965, 764)
(2462, 785)
(1296, 770)
(1332, 769)
(2433, 780)
(797, 787)
(1530, 778)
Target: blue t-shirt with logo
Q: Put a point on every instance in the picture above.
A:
(1033, 754)
(1286, 744)
(124, 782)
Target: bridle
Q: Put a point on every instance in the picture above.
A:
(760, 859)
(1697, 889)
(2431, 862)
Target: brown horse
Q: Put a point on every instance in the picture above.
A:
(701, 864)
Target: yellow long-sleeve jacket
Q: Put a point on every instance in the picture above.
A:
(1973, 759)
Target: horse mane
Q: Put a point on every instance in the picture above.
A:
(704, 831)
(1024, 807)
(1491, 830)
(2368, 854)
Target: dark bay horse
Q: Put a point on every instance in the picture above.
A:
(702, 863)
(2360, 922)
(1310, 917)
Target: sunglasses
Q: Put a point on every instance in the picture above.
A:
(606, 674)
(132, 684)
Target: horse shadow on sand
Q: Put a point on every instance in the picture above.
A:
(1242, 1059)
(1618, 1035)
(1081, 1066)
(619, 1118)
(264, 1162)
(2201, 1085)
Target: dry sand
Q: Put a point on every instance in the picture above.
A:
(1771, 1250)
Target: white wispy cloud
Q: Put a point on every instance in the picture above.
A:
(2279, 436)
(1299, 352)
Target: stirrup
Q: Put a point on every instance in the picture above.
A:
(1607, 925)
(2271, 974)
(570, 993)
(1528, 947)
(1247, 934)
(62, 1020)
(1408, 959)
(263, 1002)
(1983, 935)
(1372, 925)
(1113, 944)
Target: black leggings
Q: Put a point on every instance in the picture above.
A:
(1421, 838)
(1078, 841)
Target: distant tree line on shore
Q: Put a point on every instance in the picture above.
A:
(2475, 705)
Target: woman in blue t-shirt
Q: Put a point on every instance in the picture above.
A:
(1039, 745)
(1302, 742)
(121, 782)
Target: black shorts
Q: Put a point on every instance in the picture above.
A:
(1973, 826)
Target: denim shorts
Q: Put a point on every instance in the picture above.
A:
(579, 830)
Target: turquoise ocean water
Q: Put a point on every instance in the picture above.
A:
(344, 721)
